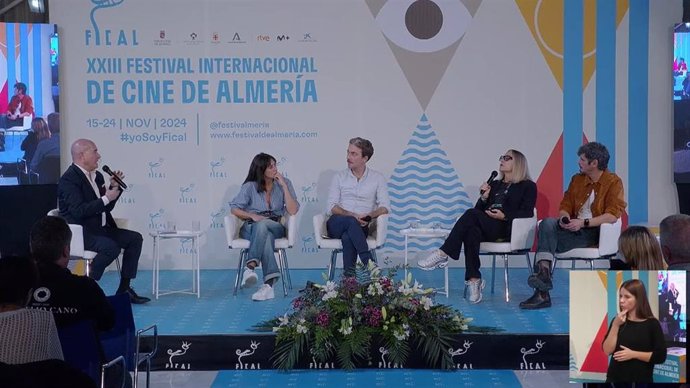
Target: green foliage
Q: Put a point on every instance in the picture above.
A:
(344, 320)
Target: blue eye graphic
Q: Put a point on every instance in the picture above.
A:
(424, 26)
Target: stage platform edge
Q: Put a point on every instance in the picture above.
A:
(253, 352)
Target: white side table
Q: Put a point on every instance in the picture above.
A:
(426, 233)
(180, 234)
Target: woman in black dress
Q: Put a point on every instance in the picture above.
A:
(634, 339)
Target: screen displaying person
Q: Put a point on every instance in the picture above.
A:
(21, 105)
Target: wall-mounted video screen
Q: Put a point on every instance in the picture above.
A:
(673, 305)
(681, 103)
(29, 108)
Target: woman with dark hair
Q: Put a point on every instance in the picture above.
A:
(635, 339)
(511, 196)
(263, 199)
(39, 131)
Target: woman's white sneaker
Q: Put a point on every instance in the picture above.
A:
(249, 278)
(264, 293)
(436, 259)
(475, 287)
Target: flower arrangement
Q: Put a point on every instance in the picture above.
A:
(345, 319)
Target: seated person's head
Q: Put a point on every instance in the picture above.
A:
(20, 87)
(40, 128)
(674, 233)
(640, 249)
(18, 277)
(54, 122)
(50, 240)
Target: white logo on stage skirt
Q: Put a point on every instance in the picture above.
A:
(459, 352)
(247, 352)
(383, 364)
(532, 365)
(177, 353)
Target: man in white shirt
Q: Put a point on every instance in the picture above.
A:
(356, 197)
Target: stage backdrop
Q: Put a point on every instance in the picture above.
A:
(181, 95)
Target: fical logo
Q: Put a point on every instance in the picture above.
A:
(108, 37)
(217, 219)
(187, 246)
(314, 364)
(532, 365)
(127, 196)
(465, 348)
(383, 364)
(309, 244)
(215, 166)
(177, 353)
(154, 169)
(309, 193)
(187, 194)
(247, 352)
(155, 222)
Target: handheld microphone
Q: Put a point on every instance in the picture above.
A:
(565, 220)
(117, 178)
(493, 175)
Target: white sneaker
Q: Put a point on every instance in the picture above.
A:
(436, 259)
(475, 288)
(249, 278)
(264, 293)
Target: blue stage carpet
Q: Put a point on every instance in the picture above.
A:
(402, 378)
(219, 312)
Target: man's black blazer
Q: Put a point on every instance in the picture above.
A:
(79, 204)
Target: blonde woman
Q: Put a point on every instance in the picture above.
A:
(641, 250)
(512, 195)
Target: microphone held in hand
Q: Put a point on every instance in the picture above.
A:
(117, 178)
(565, 220)
(493, 175)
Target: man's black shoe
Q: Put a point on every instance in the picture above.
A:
(539, 300)
(133, 297)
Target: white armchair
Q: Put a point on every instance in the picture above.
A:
(232, 234)
(607, 248)
(14, 131)
(77, 250)
(375, 240)
(521, 240)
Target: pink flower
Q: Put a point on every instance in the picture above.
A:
(372, 315)
(322, 319)
(297, 303)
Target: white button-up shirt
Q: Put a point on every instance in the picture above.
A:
(358, 196)
(91, 177)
